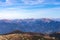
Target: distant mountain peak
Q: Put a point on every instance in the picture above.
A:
(6, 20)
(43, 25)
(46, 20)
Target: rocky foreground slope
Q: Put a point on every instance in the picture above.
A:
(24, 37)
(16, 35)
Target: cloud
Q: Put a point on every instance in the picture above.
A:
(8, 2)
(29, 3)
(24, 2)
(32, 2)
(17, 14)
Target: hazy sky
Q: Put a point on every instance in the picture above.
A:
(16, 9)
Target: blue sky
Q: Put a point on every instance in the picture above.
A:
(16, 9)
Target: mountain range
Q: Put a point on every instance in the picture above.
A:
(43, 25)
